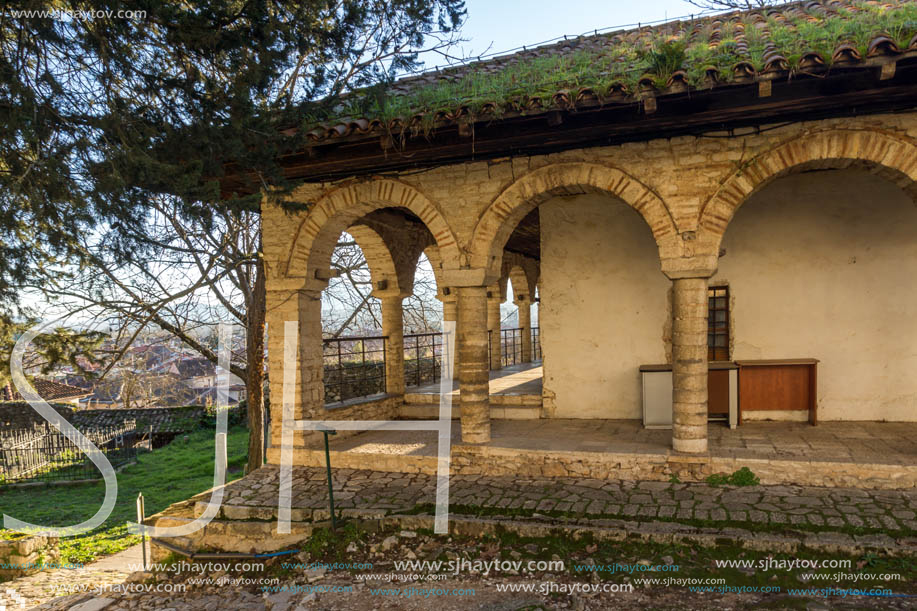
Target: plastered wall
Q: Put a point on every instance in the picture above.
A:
(603, 305)
(823, 265)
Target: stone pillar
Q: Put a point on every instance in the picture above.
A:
(525, 323)
(393, 329)
(305, 307)
(689, 365)
(474, 379)
(280, 306)
(450, 309)
(450, 313)
(493, 326)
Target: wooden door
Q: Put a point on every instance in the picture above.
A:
(718, 392)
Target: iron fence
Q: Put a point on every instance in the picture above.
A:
(536, 344)
(354, 367)
(511, 346)
(423, 358)
(45, 454)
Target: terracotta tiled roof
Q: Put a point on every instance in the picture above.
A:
(19, 415)
(49, 390)
(796, 40)
(161, 419)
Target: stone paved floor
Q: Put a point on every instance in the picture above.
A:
(522, 379)
(31, 590)
(882, 510)
(859, 442)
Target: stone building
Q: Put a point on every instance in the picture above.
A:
(769, 155)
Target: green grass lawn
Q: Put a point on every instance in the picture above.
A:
(165, 476)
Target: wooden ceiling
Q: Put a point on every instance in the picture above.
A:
(526, 238)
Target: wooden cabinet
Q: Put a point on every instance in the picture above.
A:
(770, 385)
(721, 391)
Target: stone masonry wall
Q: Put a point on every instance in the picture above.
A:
(686, 188)
(27, 555)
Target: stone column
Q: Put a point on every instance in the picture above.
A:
(689, 365)
(280, 306)
(493, 326)
(474, 378)
(450, 313)
(525, 323)
(303, 306)
(393, 329)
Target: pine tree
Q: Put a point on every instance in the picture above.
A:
(104, 111)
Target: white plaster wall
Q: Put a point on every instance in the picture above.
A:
(815, 273)
(603, 305)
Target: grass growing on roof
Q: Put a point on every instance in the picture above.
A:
(533, 81)
(170, 474)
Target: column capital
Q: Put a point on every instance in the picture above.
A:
(678, 268)
(393, 295)
(293, 295)
(468, 278)
(285, 284)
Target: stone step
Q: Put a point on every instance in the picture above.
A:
(501, 399)
(498, 411)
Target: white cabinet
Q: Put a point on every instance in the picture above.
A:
(657, 396)
(723, 394)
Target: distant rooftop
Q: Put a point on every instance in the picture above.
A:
(49, 390)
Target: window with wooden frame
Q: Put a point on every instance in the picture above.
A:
(718, 323)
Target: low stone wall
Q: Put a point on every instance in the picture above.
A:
(378, 407)
(25, 556)
(244, 535)
(485, 460)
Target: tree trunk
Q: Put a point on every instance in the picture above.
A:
(254, 347)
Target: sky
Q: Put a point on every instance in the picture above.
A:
(502, 25)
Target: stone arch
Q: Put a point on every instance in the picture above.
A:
(436, 262)
(342, 207)
(520, 283)
(884, 154)
(378, 257)
(574, 178)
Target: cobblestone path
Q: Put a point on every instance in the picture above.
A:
(31, 590)
(821, 508)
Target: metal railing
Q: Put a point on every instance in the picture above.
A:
(511, 346)
(45, 454)
(423, 358)
(354, 367)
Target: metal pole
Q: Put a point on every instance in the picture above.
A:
(340, 374)
(328, 467)
(140, 516)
